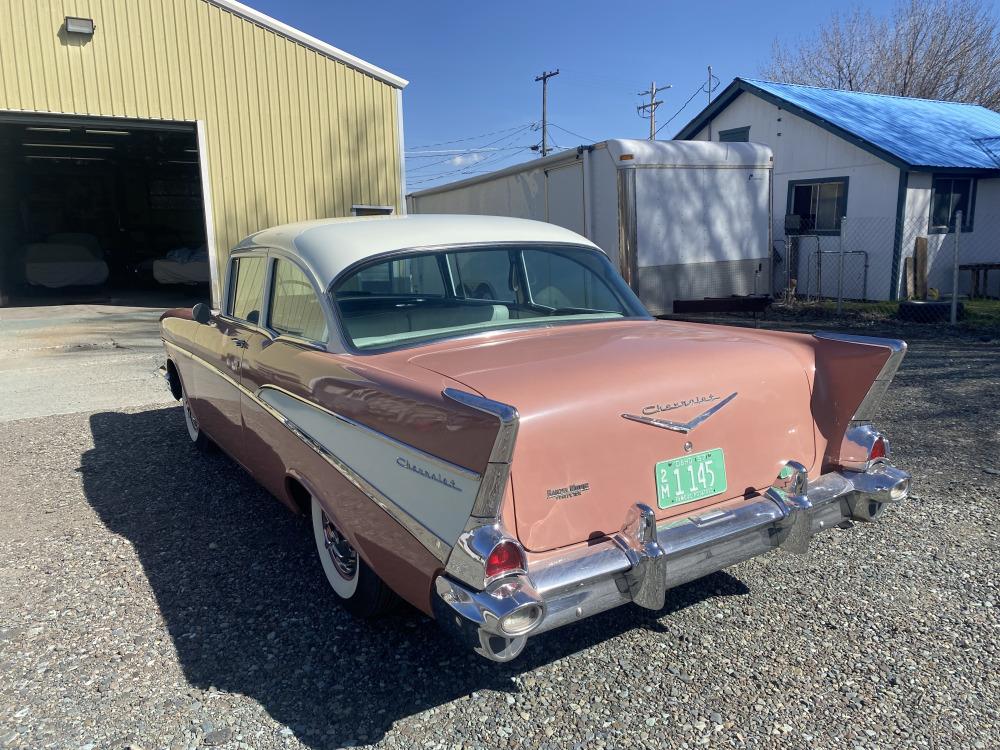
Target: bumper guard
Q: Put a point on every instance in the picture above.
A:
(644, 559)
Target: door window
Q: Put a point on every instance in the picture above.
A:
(246, 295)
(295, 309)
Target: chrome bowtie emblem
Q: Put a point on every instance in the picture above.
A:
(684, 427)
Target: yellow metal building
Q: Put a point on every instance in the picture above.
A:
(212, 108)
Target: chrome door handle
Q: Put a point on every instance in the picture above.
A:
(241, 343)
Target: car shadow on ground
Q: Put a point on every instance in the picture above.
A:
(246, 605)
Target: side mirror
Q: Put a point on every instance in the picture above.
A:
(201, 313)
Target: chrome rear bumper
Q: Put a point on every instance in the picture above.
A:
(644, 559)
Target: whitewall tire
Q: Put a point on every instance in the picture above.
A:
(191, 422)
(358, 589)
(339, 560)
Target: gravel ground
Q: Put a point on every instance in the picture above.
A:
(154, 597)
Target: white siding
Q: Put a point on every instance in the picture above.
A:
(802, 151)
(978, 246)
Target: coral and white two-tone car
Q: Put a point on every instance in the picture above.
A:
(483, 419)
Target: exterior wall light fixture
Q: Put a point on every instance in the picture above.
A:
(82, 26)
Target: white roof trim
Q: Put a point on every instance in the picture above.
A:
(310, 41)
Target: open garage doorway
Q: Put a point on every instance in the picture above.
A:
(100, 211)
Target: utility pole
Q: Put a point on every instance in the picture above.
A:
(544, 78)
(651, 107)
(709, 87)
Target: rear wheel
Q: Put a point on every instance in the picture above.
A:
(360, 591)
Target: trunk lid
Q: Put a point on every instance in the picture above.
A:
(579, 465)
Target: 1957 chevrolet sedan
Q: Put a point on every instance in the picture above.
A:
(483, 420)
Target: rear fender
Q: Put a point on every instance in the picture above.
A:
(852, 376)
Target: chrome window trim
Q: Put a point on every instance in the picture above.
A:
(897, 350)
(227, 299)
(438, 547)
(273, 256)
(350, 348)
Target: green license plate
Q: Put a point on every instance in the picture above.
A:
(690, 478)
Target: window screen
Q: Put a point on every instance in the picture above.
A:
(295, 309)
(247, 292)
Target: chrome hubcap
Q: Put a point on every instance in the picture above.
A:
(342, 554)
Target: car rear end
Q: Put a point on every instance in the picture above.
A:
(598, 496)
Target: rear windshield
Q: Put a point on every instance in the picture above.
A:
(427, 296)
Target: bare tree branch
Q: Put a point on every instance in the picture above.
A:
(931, 49)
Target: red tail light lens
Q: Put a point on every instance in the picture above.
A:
(879, 449)
(506, 557)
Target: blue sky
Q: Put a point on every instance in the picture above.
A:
(472, 65)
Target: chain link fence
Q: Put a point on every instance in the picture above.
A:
(881, 268)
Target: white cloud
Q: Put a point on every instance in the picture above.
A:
(464, 160)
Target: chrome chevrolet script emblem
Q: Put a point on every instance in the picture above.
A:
(657, 408)
(684, 427)
(428, 474)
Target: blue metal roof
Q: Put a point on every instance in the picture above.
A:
(921, 133)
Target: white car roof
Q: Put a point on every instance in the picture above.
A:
(328, 246)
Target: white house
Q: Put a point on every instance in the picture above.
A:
(896, 168)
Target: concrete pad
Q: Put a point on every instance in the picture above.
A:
(62, 359)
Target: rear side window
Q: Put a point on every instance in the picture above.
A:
(246, 296)
(295, 309)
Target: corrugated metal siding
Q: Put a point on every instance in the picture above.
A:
(291, 133)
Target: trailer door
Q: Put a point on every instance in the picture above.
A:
(564, 196)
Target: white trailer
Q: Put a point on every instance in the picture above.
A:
(683, 220)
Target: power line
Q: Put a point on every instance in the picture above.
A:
(498, 156)
(493, 158)
(709, 87)
(456, 152)
(470, 138)
(576, 135)
(470, 169)
(491, 143)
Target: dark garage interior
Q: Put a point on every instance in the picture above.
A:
(99, 211)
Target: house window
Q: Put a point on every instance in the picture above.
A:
(818, 205)
(735, 135)
(949, 195)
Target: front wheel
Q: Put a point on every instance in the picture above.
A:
(199, 438)
(360, 591)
